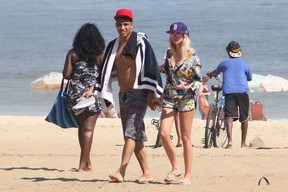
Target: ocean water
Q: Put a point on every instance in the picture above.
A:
(35, 36)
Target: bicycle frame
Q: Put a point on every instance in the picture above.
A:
(215, 129)
(158, 142)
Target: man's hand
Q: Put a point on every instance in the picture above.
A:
(153, 102)
(211, 74)
(156, 103)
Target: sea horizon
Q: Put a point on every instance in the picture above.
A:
(36, 36)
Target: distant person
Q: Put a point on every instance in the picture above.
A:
(236, 74)
(82, 68)
(183, 77)
(203, 94)
(130, 59)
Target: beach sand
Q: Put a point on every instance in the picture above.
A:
(39, 156)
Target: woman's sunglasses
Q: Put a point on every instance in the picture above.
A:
(175, 34)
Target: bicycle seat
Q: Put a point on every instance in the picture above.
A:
(216, 87)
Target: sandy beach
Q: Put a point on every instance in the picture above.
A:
(39, 156)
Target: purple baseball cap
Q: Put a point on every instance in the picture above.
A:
(178, 27)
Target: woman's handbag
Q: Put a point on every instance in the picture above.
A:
(59, 114)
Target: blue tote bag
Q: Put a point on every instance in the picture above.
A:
(59, 114)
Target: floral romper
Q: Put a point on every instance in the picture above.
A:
(188, 71)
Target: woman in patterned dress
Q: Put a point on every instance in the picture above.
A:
(183, 77)
(81, 69)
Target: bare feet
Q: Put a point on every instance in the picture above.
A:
(244, 146)
(87, 168)
(116, 178)
(143, 179)
(228, 146)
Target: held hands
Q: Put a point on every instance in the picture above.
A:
(154, 102)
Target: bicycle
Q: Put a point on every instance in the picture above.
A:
(216, 127)
(158, 142)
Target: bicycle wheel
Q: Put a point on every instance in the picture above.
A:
(158, 140)
(221, 132)
(209, 128)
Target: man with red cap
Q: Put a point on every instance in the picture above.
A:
(130, 59)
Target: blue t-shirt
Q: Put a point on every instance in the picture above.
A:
(236, 73)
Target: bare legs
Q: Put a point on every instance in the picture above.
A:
(87, 123)
(133, 107)
(229, 132)
(186, 120)
(177, 125)
(244, 129)
(167, 119)
(139, 149)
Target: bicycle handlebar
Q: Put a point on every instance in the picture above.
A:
(218, 78)
(213, 74)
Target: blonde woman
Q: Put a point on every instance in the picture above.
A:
(183, 77)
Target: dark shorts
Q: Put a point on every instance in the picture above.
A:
(237, 106)
(133, 106)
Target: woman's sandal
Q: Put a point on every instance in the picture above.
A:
(184, 182)
(171, 176)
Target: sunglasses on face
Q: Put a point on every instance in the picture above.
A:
(175, 34)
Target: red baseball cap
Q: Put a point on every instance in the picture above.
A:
(126, 13)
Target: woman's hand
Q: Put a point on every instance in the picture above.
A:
(182, 86)
(162, 68)
(88, 93)
(209, 93)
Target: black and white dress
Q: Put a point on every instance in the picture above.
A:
(84, 76)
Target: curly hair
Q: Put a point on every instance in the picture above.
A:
(88, 43)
